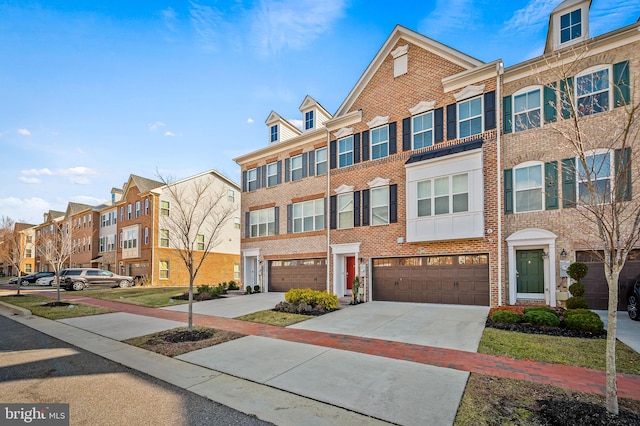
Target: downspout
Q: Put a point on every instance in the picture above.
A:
(499, 72)
(328, 220)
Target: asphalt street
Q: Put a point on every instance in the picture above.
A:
(35, 368)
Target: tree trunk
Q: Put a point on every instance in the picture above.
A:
(190, 326)
(18, 282)
(612, 386)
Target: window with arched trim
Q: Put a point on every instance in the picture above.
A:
(527, 108)
(528, 184)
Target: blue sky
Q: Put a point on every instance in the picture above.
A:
(93, 91)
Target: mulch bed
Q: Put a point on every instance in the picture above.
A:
(549, 331)
(560, 411)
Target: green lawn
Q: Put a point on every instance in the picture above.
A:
(589, 353)
(35, 305)
(152, 297)
(270, 317)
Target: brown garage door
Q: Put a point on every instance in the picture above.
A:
(460, 280)
(297, 273)
(595, 284)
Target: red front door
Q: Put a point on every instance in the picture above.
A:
(351, 271)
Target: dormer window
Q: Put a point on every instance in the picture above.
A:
(308, 120)
(570, 26)
(274, 133)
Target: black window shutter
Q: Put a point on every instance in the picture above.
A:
(258, 176)
(276, 214)
(356, 208)
(304, 164)
(324, 212)
(406, 134)
(247, 225)
(506, 115)
(393, 203)
(393, 135)
(264, 176)
(312, 163)
(566, 97)
(279, 172)
(356, 148)
(621, 88)
(550, 102)
(365, 146)
(332, 154)
(244, 181)
(551, 185)
(332, 211)
(451, 121)
(568, 182)
(438, 125)
(508, 191)
(289, 218)
(623, 174)
(490, 110)
(365, 207)
(287, 171)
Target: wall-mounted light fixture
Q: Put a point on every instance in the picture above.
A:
(563, 254)
(545, 255)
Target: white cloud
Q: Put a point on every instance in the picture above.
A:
(206, 21)
(293, 24)
(85, 199)
(449, 15)
(27, 210)
(607, 15)
(24, 132)
(76, 171)
(80, 180)
(532, 17)
(168, 133)
(29, 180)
(250, 120)
(37, 172)
(155, 126)
(296, 122)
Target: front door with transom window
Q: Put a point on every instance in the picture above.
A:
(530, 273)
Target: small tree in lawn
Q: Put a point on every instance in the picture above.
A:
(11, 247)
(55, 247)
(198, 210)
(603, 140)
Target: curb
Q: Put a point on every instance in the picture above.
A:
(16, 309)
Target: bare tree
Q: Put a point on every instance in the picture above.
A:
(11, 247)
(199, 210)
(54, 245)
(604, 140)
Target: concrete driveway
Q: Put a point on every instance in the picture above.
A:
(627, 330)
(396, 391)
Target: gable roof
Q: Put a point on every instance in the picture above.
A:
(144, 185)
(400, 32)
(73, 208)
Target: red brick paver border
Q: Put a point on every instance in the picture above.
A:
(565, 376)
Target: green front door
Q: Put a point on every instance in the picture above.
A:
(530, 271)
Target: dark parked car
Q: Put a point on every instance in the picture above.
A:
(31, 278)
(632, 301)
(81, 278)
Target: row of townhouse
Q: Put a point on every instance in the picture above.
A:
(439, 178)
(132, 234)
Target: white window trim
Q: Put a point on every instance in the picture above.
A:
(371, 144)
(317, 163)
(163, 238)
(302, 216)
(160, 270)
(525, 165)
(378, 121)
(249, 180)
(458, 121)
(273, 166)
(277, 127)
(580, 179)
(306, 120)
(345, 152)
(256, 213)
(470, 91)
(592, 70)
(413, 132)
(522, 91)
(299, 156)
(352, 210)
(372, 206)
(584, 19)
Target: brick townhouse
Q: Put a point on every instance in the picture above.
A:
(542, 179)
(284, 204)
(444, 179)
(84, 230)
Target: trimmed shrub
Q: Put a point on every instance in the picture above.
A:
(579, 311)
(541, 309)
(584, 322)
(576, 289)
(313, 298)
(577, 302)
(541, 318)
(256, 288)
(577, 271)
(248, 289)
(233, 285)
(506, 317)
(205, 288)
(515, 309)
